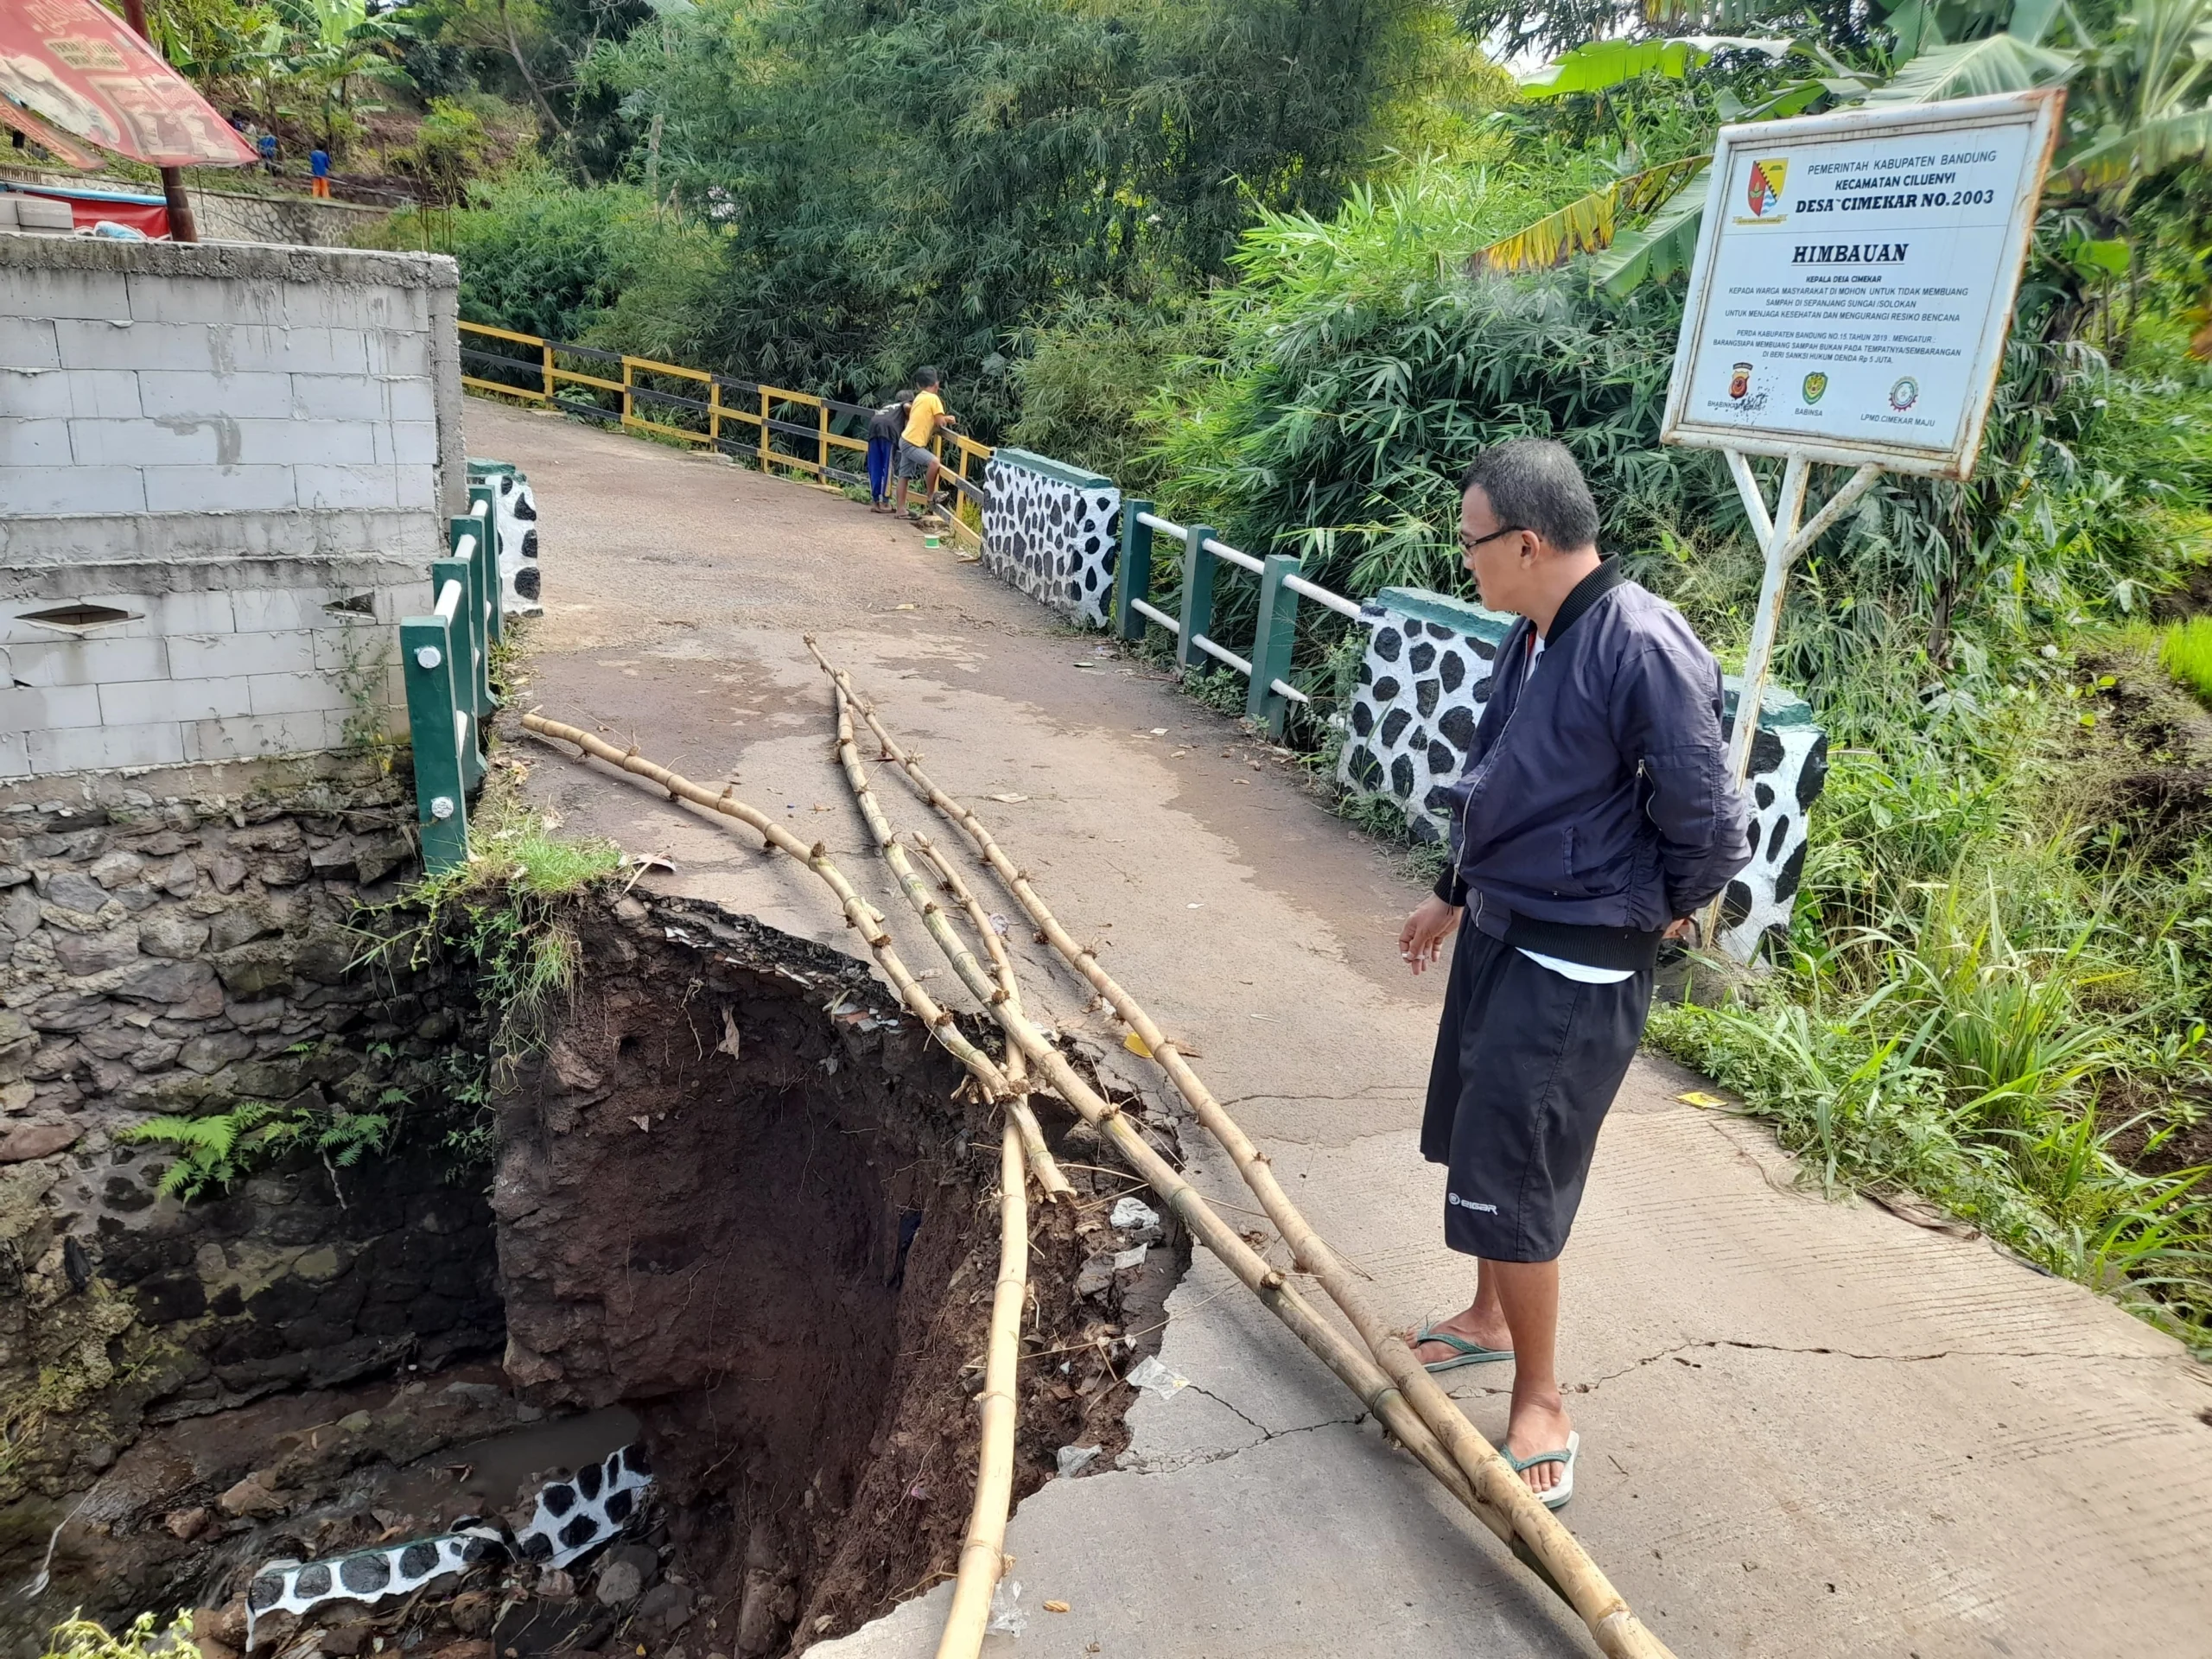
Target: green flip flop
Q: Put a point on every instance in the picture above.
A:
(1556, 1498)
(1463, 1351)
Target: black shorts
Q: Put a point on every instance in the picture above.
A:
(1527, 1064)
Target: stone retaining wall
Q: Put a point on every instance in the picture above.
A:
(180, 953)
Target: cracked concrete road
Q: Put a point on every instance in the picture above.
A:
(1809, 1428)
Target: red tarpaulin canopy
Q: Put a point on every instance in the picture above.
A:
(78, 65)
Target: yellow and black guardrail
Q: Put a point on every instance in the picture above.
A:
(771, 426)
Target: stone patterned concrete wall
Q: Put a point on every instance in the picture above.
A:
(181, 954)
(1054, 532)
(1421, 687)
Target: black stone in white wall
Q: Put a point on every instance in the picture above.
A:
(514, 512)
(1421, 687)
(1053, 532)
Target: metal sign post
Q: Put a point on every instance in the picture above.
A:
(1849, 302)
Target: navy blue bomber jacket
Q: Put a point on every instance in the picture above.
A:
(1596, 807)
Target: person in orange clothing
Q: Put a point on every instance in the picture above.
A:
(319, 170)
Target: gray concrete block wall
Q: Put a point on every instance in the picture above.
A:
(245, 456)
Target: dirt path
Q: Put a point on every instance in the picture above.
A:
(1809, 1428)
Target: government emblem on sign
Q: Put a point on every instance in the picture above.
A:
(1904, 394)
(1816, 386)
(1765, 192)
(1739, 381)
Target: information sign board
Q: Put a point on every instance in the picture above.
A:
(1854, 282)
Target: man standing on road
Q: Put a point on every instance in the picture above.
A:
(924, 422)
(1594, 817)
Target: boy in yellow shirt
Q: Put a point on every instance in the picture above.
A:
(916, 458)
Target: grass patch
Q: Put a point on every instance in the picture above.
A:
(501, 913)
(1989, 1003)
(2185, 653)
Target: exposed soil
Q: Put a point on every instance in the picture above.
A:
(2151, 758)
(744, 1196)
(2150, 761)
(746, 1220)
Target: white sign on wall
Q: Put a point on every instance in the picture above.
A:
(1854, 282)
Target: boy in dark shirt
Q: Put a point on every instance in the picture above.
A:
(883, 430)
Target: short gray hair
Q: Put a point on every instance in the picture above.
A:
(1533, 484)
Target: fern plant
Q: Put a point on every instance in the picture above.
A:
(220, 1150)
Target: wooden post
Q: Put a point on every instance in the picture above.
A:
(626, 391)
(714, 413)
(182, 227)
(547, 347)
(764, 428)
(821, 441)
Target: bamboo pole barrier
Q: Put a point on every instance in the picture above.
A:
(1042, 1164)
(1374, 1391)
(1566, 1566)
(859, 912)
(982, 1556)
(940, 931)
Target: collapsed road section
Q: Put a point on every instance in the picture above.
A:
(743, 1212)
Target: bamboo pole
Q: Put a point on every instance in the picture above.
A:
(982, 1557)
(1566, 1566)
(1354, 1369)
(940, 931)
(858, 912)
(1042, 1164)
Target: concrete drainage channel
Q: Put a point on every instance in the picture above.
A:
(742, 1212)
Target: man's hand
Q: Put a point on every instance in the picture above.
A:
(1680, 929)
(1421, 942)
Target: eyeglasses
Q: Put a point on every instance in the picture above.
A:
(1510, 529)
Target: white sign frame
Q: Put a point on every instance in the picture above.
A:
(2037, 110)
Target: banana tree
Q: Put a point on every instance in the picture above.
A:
(1924, 67)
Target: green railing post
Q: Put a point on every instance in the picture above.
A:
(468, 531)
(1272, 640)
(1133, 576)
(487, 496)
(467, 658)
(427, 659)
(1197, 596)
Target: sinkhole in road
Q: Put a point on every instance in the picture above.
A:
(744, 1217)
(741, 1194)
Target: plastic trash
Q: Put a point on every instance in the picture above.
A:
(1074, 1459)
(1132, 1257)
(1133, 1212)
(1154, 1377)
(1007, 1617)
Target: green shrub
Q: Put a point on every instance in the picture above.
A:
(544, 257)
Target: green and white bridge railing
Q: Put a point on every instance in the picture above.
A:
(446, 660)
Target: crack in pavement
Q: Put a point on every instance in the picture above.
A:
(1196, 1458)
(1845, 1353)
